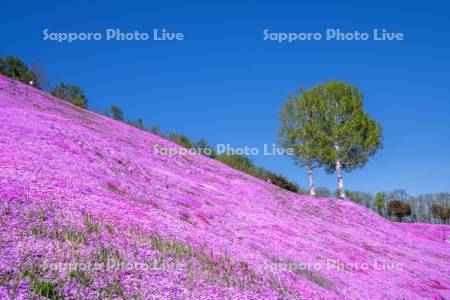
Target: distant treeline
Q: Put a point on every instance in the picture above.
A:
(396, 205)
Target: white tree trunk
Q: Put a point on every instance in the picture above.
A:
(312, 190)
(340, 180)
(339, 174)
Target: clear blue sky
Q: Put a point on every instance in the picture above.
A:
(225, 84)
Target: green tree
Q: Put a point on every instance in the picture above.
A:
(277, 180)
(398, 209)
(436, 210)
(204, 148)
(351, 136)
(282, 182)
(380, 200)
(394, 209)
(140, 123)
(14, 68)
(245, 164)
(116, 113)
(323, 192)
(406, 210)
(359, 197)
(181, 140)
(441, 212)
(238, 162)
(301, 131)
(155, 130)
(71, 93)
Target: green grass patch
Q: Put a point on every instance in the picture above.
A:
(81, 277)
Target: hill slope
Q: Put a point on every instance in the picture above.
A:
(91, 207)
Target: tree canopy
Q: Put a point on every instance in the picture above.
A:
(399, 209)
(301, 130)
(71, 93)
(441, 212)
(116, 113)
(380, 199)
(14, 68)
(349, 136)
(327, 125)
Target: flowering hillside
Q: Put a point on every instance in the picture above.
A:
(94, 208)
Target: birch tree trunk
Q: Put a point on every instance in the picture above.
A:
(340, 180)
(339, 174)
(312, 190)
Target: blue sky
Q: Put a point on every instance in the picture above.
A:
(226, 84)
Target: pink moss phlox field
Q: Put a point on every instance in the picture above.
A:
(91, 207)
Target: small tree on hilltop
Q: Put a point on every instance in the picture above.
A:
(278, 180)
(204, 148)
(71, 93)
(14, 68)
(140, 123)
(181, 140)
(155, 130)
(116, 113)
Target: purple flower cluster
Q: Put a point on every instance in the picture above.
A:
(90, 209)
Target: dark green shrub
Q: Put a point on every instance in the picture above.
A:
(71, 93)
